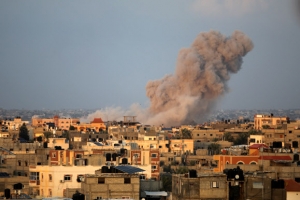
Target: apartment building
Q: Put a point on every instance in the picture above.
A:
(261, 121)
(52, 180)
(55, 122)
(12, 124)
(147, 157)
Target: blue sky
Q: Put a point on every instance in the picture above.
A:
(97, 54)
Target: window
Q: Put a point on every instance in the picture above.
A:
(154, 155)
(153, 167)
(101, 180)
(26, 163)
(50, 177)
(78, 155)
(136, 155)
(50, 192)
(214, 184)
(54, 155)
(34, 176)
(240, 163)
(127, 181)
(80, 178)
(170, 159)
(253, 163)
(142, 176)
(19, 162)
(67, 177)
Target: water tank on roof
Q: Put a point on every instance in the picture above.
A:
(113, 170)
(124, 161)
(7, 193)
(114, 156)
(108, 157)
(105, 169)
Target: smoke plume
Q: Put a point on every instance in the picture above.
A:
(200, 79)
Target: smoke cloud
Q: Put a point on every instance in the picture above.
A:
(200, 79)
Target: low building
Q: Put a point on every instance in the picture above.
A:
(201, 186)
(121, 182)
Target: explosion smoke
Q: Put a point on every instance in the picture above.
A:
(200, 79)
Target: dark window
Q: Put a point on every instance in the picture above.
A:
(67, 177)
(101, 180)
(127, 181)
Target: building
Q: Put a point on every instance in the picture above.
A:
(263, 121)
(120, 182)
(201, 186)
(97, 125)
(54, 123)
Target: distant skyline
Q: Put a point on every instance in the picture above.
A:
(99, 54)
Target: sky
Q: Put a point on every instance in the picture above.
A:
(99, 54)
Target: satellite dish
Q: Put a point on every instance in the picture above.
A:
(237, 176)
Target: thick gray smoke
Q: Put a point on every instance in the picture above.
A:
(200, 78)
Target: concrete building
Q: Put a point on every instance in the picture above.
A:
(111, 186)
(12, 124)
(261, 121)
(52, 181)
(201, 186)
(97, 125)
(56, 121)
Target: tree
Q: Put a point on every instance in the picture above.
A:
(228, 137)
(47, 134)
(167, 168)
(66, 135)
(166, 182)
(72, 128)
(186, 134)
(242, 139)
(23, 132)
(265, 126)
(181, 170)
(215, 148)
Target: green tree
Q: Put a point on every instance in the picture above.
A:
(192, 163)
(242, 139)
(65, 134)
(181, 170)
(228, 137)
(265, 126)
(215, 148)
(72, 128)
(186, 134)
(167, 168)
(23, 132)
(47, 134)
(166, 182)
